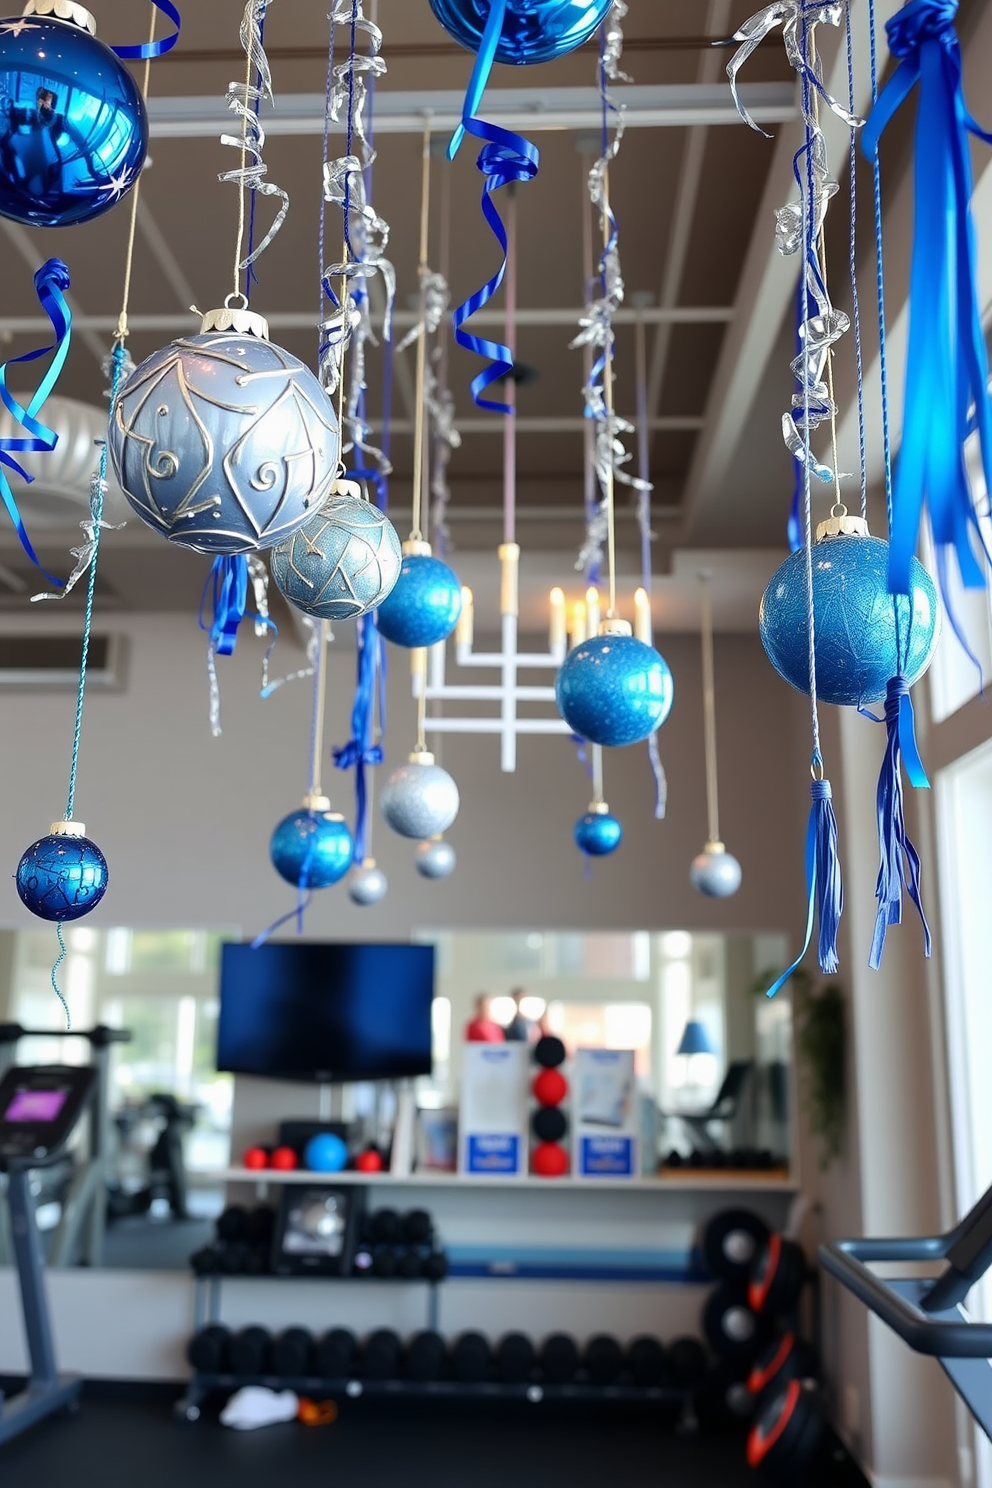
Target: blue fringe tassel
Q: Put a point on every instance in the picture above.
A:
(824, 888)
(895, 848)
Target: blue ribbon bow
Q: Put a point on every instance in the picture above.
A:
(152, 49)
(894, 842)
(226, 590)
(361, 751)
(947, 364)
(824, 887)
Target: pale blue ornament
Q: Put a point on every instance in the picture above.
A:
(223, 442)
(532, 30)
(425, 603)
(613, 689)
(342, 562)
(419, 799)
(715, 872)
(436, 859)
(368, 885)
(598, 833)
(312, 848)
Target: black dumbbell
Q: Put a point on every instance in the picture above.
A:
(558, 1357)
(688, 1363)
(417, 1228)
(292, 1353)
(435, 1266)
(410, 1265)
(730, 1243)
(783, 1359)
(260, 1224)
(233, 1223)
(733, 1329)
(603, 1359)
(647, 1362)
(549, 1124)
(384, 1262)
(549, 1052)
(426, 1354)
(256, 1260)
(232, 1257)
(470, 1358)
(250, 1351)
(335, 1354)
(515, 1358)
(206, 1261)
(381, 1355)
(385, 1227)
(786, 1436)
(207, 1350)
(777, 1277)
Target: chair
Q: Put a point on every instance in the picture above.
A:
(724, 1107)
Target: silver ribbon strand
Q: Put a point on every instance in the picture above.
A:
(312, 627)
(789, 15)
(84, 553)
(258, 578)
(244, 100)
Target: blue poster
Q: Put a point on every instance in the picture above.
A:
(606, 1157)
(498, 1153)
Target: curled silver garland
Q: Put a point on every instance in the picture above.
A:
(244, 99)
(84, 553)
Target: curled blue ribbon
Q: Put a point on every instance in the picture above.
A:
(226, 590)
(824, 888)
(152, 49)
(361, 751)
(50, 282)
(895, 847)
(947, 363)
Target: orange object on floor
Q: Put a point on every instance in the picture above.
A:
(317, 1412)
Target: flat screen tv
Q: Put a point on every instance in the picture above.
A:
(326, 1012)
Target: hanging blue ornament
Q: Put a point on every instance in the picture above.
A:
(73, 127)
(312, 848)
(62, 876)
(342, 562)
(532, 30)
(368, 885)
(598, 833)
(614, 689)
(419, 799)
(223, 442)
(863, 634)
(425, 602)
(436, 859)
(715, 872)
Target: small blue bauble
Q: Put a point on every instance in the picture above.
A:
(533, 30)
(854, 619)
(223, 442)
(325, 1153)
(436, 859)
(368, 885)
(424, 606)
(341, 563)
(715, 873)
(419, 799)
(62, 877)
(613, 690)
(598, 834)
(312, 848)
(73, 128)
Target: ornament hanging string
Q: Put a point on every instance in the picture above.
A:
(420, 417)
(647, 538)
(709, 711)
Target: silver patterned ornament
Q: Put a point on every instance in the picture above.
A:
(715, 872)
(419, 799)
(436, 859)
(368, 885)
(223, 442)
(342, 562)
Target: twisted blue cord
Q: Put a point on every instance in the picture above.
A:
(55, 982)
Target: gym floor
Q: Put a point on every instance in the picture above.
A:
(119, 1439)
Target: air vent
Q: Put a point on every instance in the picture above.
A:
(31, 662)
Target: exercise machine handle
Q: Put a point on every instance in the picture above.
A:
(846, 1261)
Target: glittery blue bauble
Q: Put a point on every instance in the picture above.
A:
(325, 1153)
(419, 800)
(341, 563)
(854, 621)
(424, 605)
(533, 30)
(436, 860)
(62, 878)
(368, 886)
(717, 874)
(224, 443)
(311, 849)
(613, 689)
(598, 834)
(73, 128)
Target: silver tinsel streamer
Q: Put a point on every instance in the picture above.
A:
(258, 578)
(243, 100)
(811, 405)
(84, 553)
(312, 627)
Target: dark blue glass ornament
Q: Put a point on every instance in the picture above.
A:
(223, 442)
(425, 603)
(312, 848)
(858, 645)
(598, 833)
(715, 872)
(532, 31)
(73, 127)
(342, 562)
(614, 689)
(62, 876)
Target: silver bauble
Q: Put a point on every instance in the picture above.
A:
(419, 799)
(368, 884)
(715, 873)
(342, 562)
(436, 859)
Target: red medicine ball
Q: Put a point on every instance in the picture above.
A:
(550, 1087)
(549, 1160)
(285, 1159)
(369, 1161)
(256, 1158)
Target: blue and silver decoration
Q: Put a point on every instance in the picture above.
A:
(613, 689)
(436, 859)
(425, 603)
(419, 799)
(62, 876)
(531, 30)
(342, 562)
(223, 442)
(312, 848)
(715, 872)
(863, 634)
(598, 833)
(368, 885)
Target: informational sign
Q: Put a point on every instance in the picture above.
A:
(492, 1138)
(606, 1114)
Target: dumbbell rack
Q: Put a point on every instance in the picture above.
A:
(207, 1303)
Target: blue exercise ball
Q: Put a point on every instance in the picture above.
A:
(312, 848)
(598, 834)
(325, 1153)
(341, 563)
(62, 877)
(532, 30)
(424, 604)
(614, 690)
(73, 127)
(863, 634)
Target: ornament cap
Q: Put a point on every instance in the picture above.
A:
(421, 757)
(367, 863)
(416, 547)
(63, 10)
(315, 802)
(715, 847)
(842, 525)
(614, 627)
(68, 829)
(598, 808)
(233, 318)
(348, 488)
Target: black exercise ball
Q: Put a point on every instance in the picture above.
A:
(549, 1052)
(549, 1124)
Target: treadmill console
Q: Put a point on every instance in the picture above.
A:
(39, 1107)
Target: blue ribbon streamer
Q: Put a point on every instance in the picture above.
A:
(484, 59)
(947, 363)
(361, 752)
(824, 888)
(226, 590)
(297, 913)
(899, 864)
(152, 49)
(50, 282)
